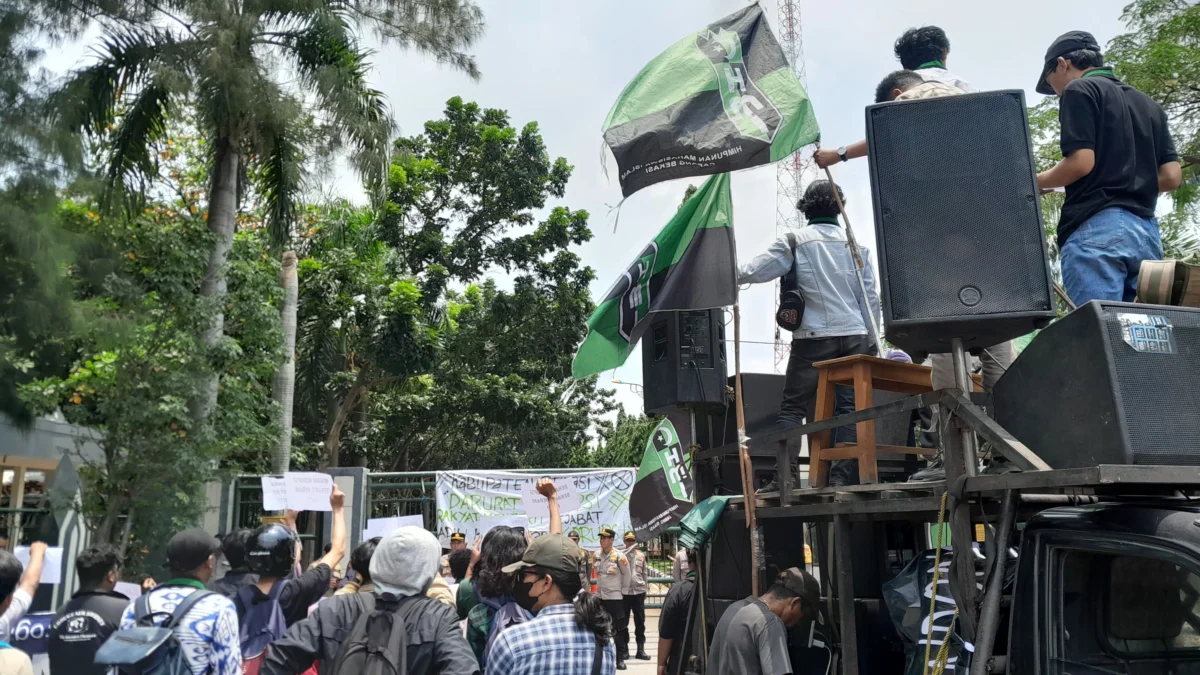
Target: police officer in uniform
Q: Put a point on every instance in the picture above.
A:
(585, 563)
(612, 576)
(458, 541)
(634, 594)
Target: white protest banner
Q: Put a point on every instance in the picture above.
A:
(51, 564)
(381, 527)
(473, 502)
(274, 493)
(308, 491)
(538, 507)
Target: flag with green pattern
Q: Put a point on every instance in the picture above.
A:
(721, 99)
(662, 493)
(689, 265)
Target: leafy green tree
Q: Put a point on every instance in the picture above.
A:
(624, 443)
(256, 71)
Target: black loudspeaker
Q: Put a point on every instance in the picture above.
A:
(1110, 383)
(958, 221)
(683, 360)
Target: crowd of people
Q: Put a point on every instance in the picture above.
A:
(508, 604)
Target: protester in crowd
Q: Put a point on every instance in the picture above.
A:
(458, 542)
(634, 596)
(836, 323)
(464, 593)
(360, 564)
(570, 631)
(22, 597)
(921, 50)
(672, 622)
(12, 661)
(501, 546)
(233, 549)
(440, 590)
(1117, 156)
(208, 630)
(402, 568)
(271, 554)
(497, 609)
(679, 565)
(751, 637)
(93, 613)
(905, 85)
(612, 575)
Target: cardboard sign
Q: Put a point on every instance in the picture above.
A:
(308, 491)
(538, 506)
(274, 493)
(381, 527)
(51, 564)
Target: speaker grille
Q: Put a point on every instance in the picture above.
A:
(1159, 391)
(957, 207)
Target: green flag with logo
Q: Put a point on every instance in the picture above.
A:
(662, 493)
(689, 265)
(721, 99)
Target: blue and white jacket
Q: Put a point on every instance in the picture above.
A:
(825, 272)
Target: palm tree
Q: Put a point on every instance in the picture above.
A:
(284, 386)
(258, 72)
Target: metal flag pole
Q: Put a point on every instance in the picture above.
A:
(852, 244)
(743, 450)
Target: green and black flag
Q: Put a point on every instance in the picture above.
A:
(662, 493)
(689, 265)
(721, 99)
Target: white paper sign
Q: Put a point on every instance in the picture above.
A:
(131, 591)
(537, 506)
(473, 502)
(51, 564)
(381, 527)
(308, 491)
(274, 493)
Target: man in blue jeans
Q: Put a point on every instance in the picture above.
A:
(1118, 155)
(834, 323)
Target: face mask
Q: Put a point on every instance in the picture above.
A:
(521, 595)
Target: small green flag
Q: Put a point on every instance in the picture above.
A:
(662, 493)
(689, 265)
(721, 99)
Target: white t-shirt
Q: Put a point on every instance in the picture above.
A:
(943, 75)
(17, 609)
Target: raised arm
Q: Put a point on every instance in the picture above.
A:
(547, 489)
(337, 549)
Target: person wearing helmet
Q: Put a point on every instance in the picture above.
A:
(271, 554)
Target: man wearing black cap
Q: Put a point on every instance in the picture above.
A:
(570, 633)
(751, 637)
(458, 542)
(1117, 156)
(208, 632)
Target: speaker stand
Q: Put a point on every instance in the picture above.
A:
(962, 382)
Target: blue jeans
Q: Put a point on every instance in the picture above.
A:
(1101, 259)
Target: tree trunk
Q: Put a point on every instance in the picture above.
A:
(222, 221)
(284, 386)
(333, 439)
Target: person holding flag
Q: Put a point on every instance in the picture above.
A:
(835, 321)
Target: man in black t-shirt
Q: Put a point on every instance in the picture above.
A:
(93, 613)
(673, 620)
(1118, 155)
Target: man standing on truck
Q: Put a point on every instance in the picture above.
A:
(751, 637)
(835, 318)
(1117, 156)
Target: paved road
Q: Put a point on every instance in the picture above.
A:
(650, 667)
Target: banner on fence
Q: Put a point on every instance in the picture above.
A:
(473, 502)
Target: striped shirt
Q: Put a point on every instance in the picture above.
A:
(551, 644)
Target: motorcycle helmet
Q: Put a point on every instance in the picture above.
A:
(271, 551)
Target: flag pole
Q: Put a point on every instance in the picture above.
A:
(743, 450)
(859, 265)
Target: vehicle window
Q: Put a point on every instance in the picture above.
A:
(1122, 614)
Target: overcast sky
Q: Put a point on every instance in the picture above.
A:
(563, 64)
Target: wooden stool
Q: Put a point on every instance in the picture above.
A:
(866, 374)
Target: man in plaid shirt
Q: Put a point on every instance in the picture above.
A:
(570, 634)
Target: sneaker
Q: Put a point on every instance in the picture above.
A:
(935, 470)
(641, 654)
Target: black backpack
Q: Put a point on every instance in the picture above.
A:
(378, 642)
(791, 304)
(147, 649)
